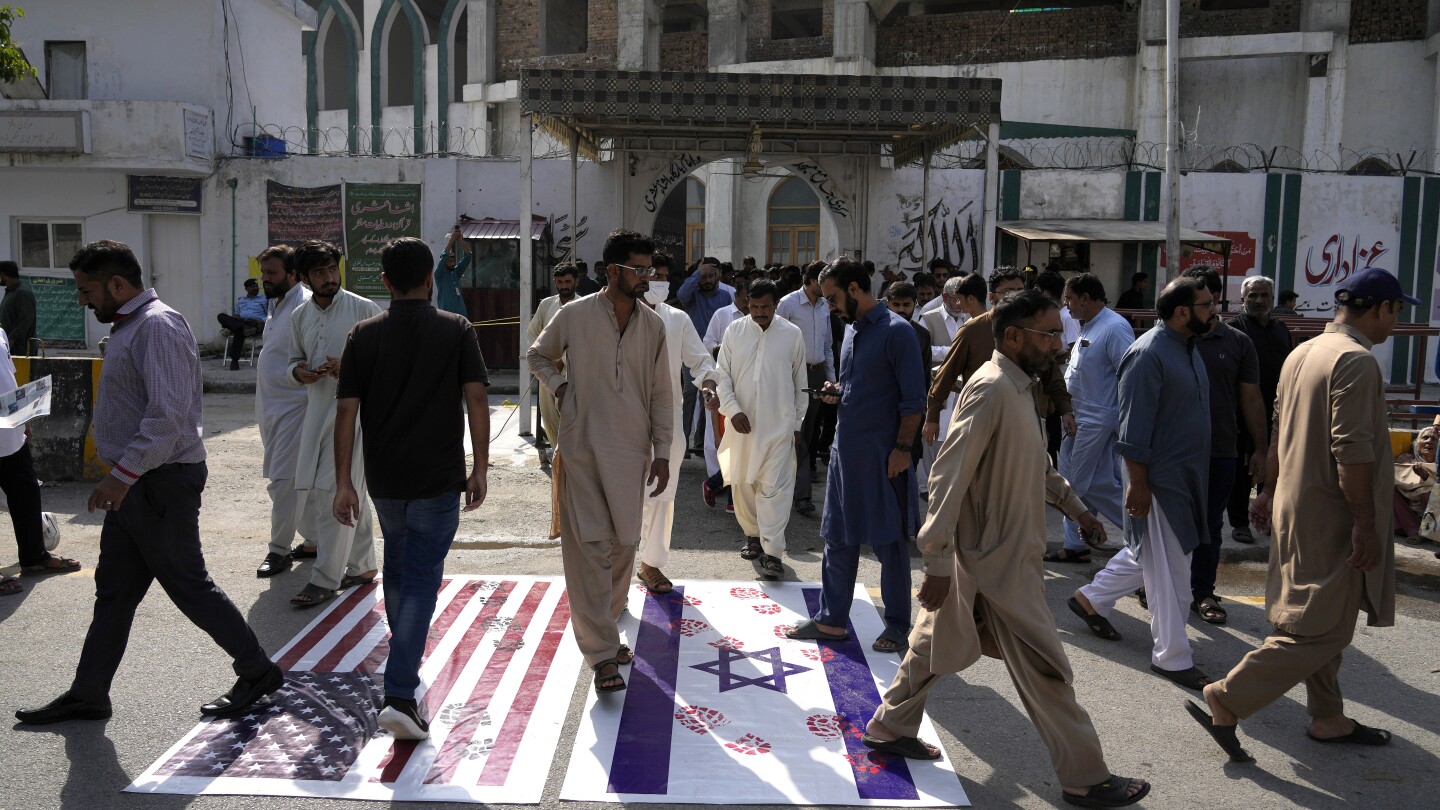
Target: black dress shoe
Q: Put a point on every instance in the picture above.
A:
(244, 694)
(64, 708)
(274, 564)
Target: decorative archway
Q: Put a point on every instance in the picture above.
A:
(329, 15)
(379, 42)
(448, 28)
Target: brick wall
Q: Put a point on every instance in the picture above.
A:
(1386, 20)
(1280, 16)
(517, 38)
(999, 36)
(759, 47)
(685, 51)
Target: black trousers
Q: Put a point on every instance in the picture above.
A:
(17, 479)
(155, 535)
(809, 439)
(239, 328)
(1239, 507)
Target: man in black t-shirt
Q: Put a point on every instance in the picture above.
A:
(405, 373)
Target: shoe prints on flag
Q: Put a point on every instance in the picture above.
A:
(499, 669)
(719, 696)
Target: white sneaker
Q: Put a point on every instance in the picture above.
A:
(51, 527)
(402, 719)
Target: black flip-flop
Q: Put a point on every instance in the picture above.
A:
(899, 639)
(1362, 735)
(752, 549)
(1191, 678)
(1099, 625)
(1113, 792)
(809, 631)
(771, 567)
(907, 747)
(1224, 736)
(317, 596)
(1067, 555)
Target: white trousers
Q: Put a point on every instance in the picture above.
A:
(764, 511)
(340, 550)
(712, 460)
(285, 517)
(656, 519)
(1164, 570)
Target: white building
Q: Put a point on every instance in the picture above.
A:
(1310, 126)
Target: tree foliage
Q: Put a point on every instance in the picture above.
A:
(13, 66)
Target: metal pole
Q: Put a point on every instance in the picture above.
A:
(924, 211)
(527, 268)
(574, 217)
(992, 198)
(1172, 139)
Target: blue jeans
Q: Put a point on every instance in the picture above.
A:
(417, 534)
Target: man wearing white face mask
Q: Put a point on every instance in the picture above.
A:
(685, 349)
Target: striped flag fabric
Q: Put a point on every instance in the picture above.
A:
(497, 676)
(721, 708)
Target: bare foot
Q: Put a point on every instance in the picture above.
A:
(1219, 715)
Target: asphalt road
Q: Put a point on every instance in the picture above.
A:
(1391, 675)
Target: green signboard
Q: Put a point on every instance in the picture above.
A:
(376, 213)
(59, 318)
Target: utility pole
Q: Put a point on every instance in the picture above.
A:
(1172, 139)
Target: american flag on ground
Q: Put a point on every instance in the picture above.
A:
(499, 668)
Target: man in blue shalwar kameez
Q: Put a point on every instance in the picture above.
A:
(870, 491)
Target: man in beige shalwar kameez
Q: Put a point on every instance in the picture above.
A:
(1330, 473)
(615, 417)
(982, 543)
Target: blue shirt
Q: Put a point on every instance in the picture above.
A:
(814, 322)
(1093, 372)
(252, 307)
(701, 306)
(881, 380)
(1165, 425)
(447, 285)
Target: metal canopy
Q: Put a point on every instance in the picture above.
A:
(904, 117)
(1107, 230)
(501, 228)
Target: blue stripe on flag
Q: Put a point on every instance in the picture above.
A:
(641, 762)
(852, 688)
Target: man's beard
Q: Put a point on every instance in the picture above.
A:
(851, 310)
(275, 290)
(328, 291)
(636, 290)
(1032, 361)
(1196, 326)
(1257, 311)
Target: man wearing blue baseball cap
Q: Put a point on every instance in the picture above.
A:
(1328, 490)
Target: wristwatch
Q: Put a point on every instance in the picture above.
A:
(904, 448)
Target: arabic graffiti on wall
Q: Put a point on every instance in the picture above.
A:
(824, 186)
(944, 235)
(1335, 264)
(678, 170)
(563, 249)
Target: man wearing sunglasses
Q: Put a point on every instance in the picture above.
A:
(616, 428)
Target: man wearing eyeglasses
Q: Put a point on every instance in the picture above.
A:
(984, 586)
(1164, 443)
(615, 433)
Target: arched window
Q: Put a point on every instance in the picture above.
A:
(794, 224)
(1372, 166)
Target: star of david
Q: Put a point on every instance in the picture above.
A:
(775, 681)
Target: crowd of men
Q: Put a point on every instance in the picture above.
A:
(946, 408)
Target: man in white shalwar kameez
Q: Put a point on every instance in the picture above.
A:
(280, 411)
(565, 276)
(684, 348)
(763, 377)
(714, 334)
(319, 328)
